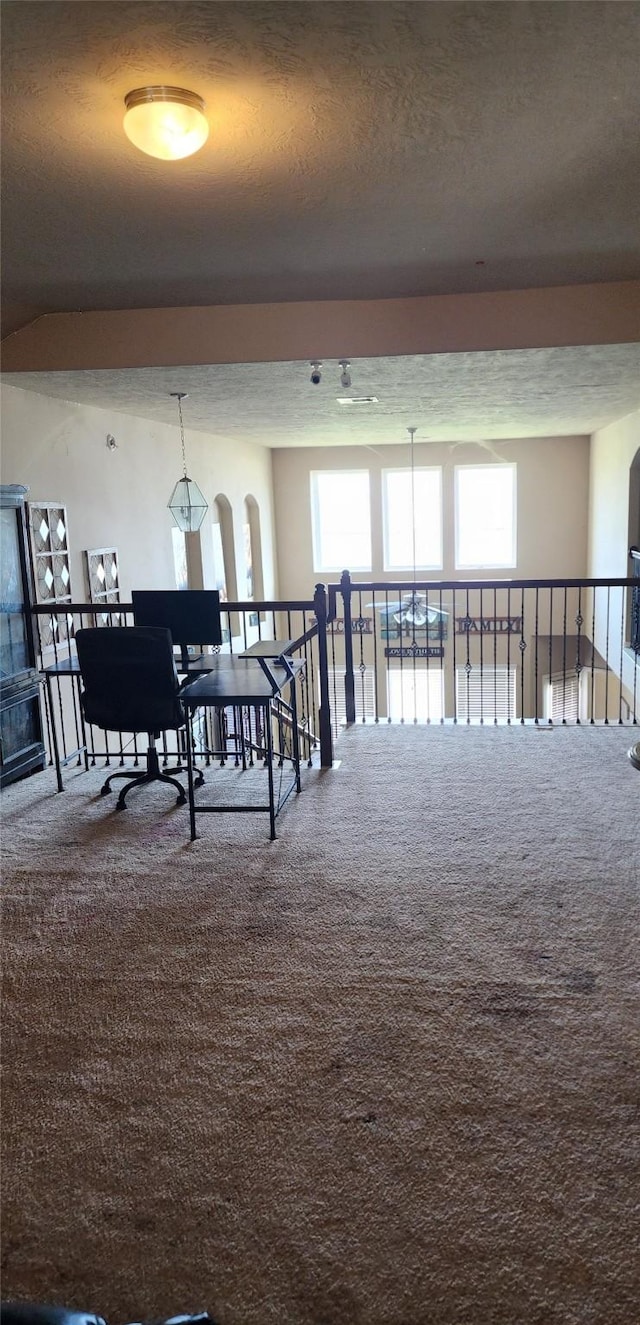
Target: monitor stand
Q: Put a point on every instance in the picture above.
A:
(187, 659)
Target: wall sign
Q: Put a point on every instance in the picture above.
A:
(395, 630)
(415, 651)
(360, 625)
(489, 625)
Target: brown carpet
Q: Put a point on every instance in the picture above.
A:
(383, 1071)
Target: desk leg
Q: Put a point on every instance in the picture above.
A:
(295, 740)
(54, 733)
(83, 731)
(269, 744)
(240, 712)
(192, 808)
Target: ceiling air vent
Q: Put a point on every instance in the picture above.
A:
(357, 400)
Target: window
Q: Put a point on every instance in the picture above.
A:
(397, 508)
(341, 520)
(364, 694)
(563, 698)
(416, 696)
(486, 696)
(485, 516)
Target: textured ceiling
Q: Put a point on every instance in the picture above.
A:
(449, 397)
(357, 150)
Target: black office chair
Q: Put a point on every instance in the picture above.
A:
(26, 1313)
(130, 684)
(634, 755)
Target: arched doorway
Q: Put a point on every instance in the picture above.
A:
(253, 549)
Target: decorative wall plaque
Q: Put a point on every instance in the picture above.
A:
(49, 542)
(103, 582)
(360, 625)
(415, 651)
(489, 625)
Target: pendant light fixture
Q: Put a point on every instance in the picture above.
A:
(413, 612)
(166, 122)
(186, 503)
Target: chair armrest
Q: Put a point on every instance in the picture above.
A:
(25, 1313)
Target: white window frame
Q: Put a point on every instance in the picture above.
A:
(512, 561)
(318, 565)
(421, 708)
(571, 686)
(364, 695)
(503, 686)
(421, 565)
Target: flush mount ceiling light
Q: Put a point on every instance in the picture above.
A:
(166, 122)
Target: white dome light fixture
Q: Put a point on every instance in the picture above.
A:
(165, 122)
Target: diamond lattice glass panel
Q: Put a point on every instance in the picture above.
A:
(102, 580)
(48, 532)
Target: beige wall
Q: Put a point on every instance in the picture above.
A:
(119, 498)
(553, 495)
(602, 314)
(613, 450)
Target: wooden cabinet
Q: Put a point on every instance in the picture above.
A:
(21, 745)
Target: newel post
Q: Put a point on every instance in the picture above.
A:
(324, 715)
(349, 682)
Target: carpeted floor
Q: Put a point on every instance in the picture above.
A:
(383, 1071)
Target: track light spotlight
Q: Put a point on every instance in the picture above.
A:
(345, 376)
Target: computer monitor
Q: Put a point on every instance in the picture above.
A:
(192, 615)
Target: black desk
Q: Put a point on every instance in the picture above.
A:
(64, 667)
(245, 685)
(70, 668)
(259, 660)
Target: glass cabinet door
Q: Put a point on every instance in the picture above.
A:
(14, 650)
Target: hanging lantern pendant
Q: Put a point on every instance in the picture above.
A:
(187, 503)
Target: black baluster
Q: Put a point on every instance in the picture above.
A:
(606, 660)
(593, 653)
(535, 664)
(467, 666)
(509, 707)
(375, 656)
(579, 623)
(523, 646)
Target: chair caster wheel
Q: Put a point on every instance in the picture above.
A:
(121, 805)
(105, 791)
(181, 800)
